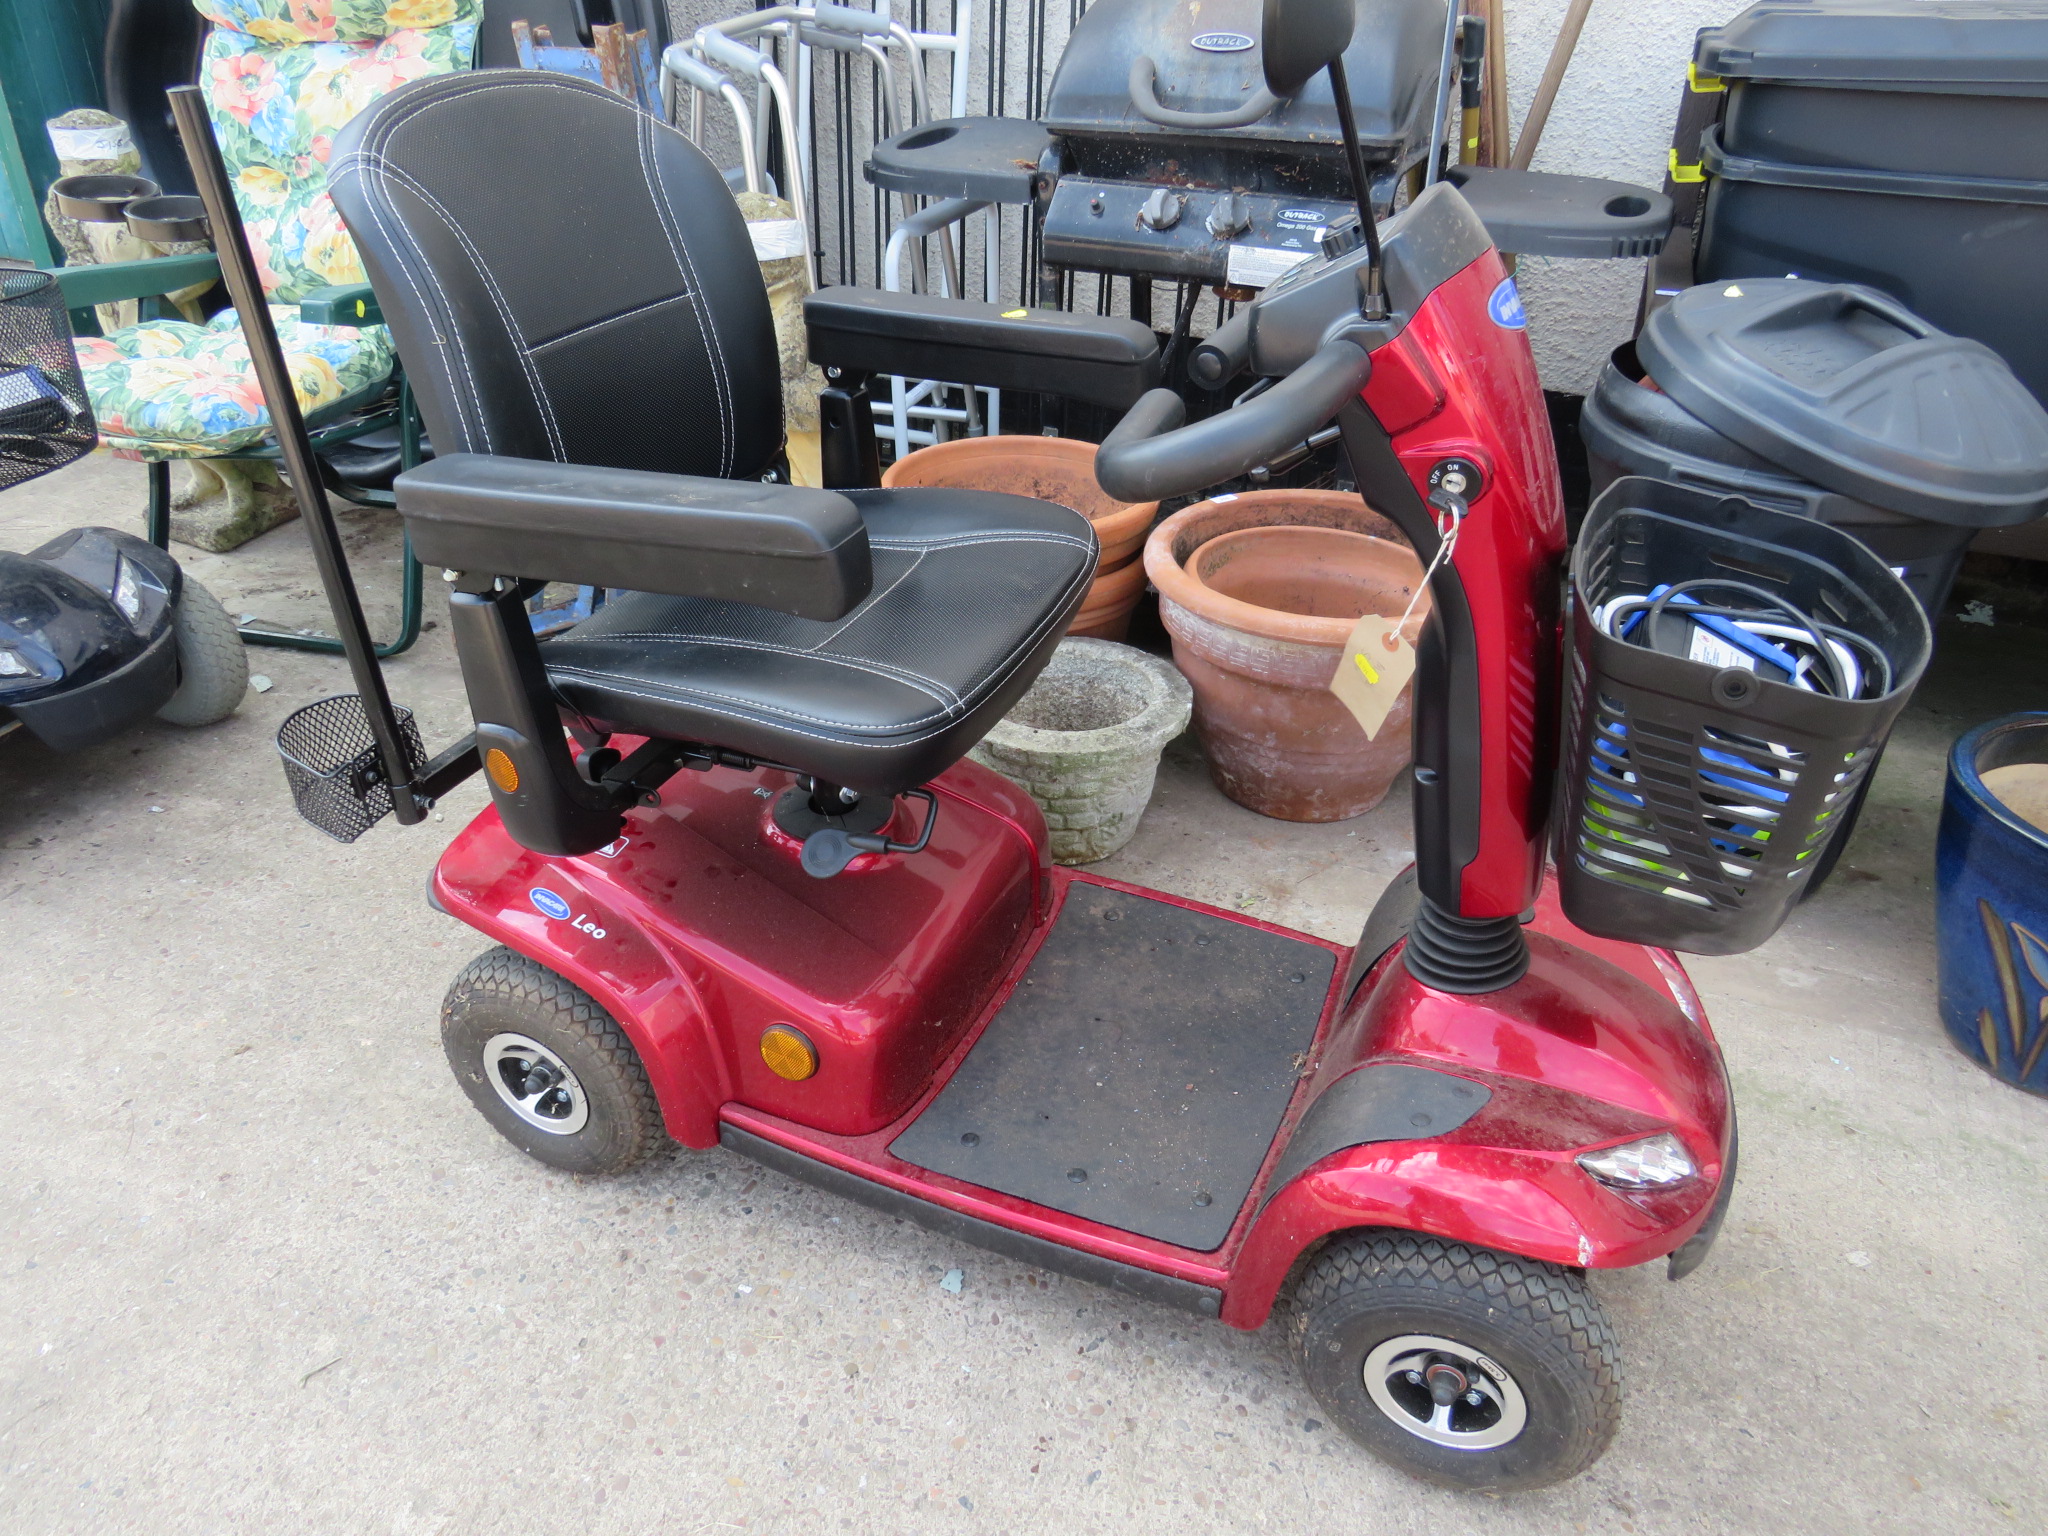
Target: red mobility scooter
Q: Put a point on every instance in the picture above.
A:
(744, 890)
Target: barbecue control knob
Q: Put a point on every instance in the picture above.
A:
(1229, 217)
(1162, 209)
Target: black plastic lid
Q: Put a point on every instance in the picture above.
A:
(1851, 389)
(1981, 47)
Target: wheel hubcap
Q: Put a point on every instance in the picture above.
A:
(536, 1084)
(1447, 1393)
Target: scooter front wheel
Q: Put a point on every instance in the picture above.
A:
(1462, 1366)
(548, 1067)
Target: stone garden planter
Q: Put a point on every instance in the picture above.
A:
(1056, 469)
(1085, 742)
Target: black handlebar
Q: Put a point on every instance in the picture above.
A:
(1151, 455)
(1222, 357)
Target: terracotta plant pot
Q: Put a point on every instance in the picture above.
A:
(1056, 469)
(1106, 611)
(1259, 592)
(1085, 742)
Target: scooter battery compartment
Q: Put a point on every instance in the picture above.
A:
(1137, 1075)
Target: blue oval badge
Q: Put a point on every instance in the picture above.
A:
(548, 904)
(1506, 307)
(1221, 42)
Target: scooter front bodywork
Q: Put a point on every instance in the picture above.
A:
(87, 647)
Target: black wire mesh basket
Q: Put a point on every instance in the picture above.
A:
(1697, 792)
(335, 771)
(45, 418)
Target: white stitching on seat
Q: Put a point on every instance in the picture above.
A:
(966, 541)
(598, 325)
(881, 669)
(446, 336)
(874, 601)
(542, 398)
(597, 674)
(686, 267)
(1027, 643)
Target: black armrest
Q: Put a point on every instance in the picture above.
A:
(797, 551)
(1095, 358)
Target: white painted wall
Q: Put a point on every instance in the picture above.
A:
(1613, 117)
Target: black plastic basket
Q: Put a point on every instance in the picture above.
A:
(332, 763)
(1695, 801)
(45, 418)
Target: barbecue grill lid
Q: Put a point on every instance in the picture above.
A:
(1848, 387)
(1391, 64)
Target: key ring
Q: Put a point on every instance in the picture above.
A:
(1450, 517)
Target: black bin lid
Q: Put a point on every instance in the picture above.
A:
(1848, 387)
(1978, 47)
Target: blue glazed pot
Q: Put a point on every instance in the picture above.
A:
(1991, 908)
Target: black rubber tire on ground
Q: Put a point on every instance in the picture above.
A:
(213, 666)
(501, 992)
(1536, 1320)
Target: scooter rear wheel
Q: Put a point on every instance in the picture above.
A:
(1458, 1365)
(548, 1067)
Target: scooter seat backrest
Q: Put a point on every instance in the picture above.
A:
(566, 277)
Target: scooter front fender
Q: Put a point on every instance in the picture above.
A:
(1516, 1200)
(1583, 1052)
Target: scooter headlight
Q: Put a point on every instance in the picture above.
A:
(127, 595)
(1655, 1162)
(14, 664)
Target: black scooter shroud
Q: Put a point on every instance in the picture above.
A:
(91, 670)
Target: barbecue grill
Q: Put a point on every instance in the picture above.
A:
(1169, 158)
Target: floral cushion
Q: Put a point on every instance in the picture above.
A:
(280, 78)
(165, 389)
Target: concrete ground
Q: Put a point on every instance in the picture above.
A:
(265, 1270)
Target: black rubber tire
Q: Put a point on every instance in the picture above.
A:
(501, 991)
(213, 665)
(1537, 1320)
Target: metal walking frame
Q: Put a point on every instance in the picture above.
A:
(774, 48)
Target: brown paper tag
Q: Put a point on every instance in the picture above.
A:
(1377, 663)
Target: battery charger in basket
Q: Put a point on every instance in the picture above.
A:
(1704, 769)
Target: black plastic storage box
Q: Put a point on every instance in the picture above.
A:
(1697, 800)
(1928, 87)
(1898, 143)
(1630, 427)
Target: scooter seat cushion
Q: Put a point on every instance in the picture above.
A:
(972, 590)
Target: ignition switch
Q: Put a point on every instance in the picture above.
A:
(1457, 477)
(1162, 209)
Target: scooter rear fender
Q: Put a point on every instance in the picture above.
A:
(490, 882)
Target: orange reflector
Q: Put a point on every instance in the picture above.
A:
(788, 1053)
(501, 770)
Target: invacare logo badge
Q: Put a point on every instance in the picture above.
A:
(1506, 307)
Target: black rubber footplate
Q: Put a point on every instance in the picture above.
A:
(1137, 1075)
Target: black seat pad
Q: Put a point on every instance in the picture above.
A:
(972, 590)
